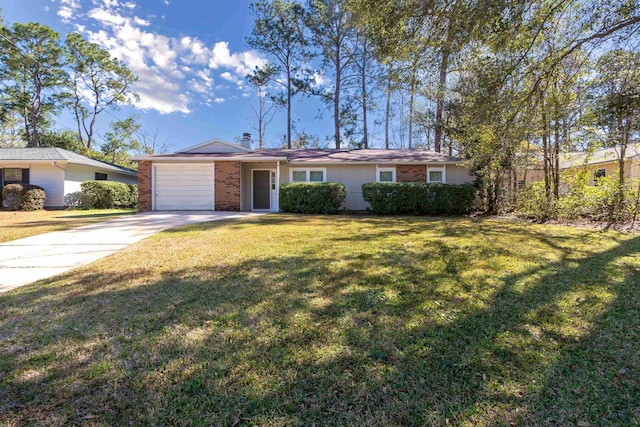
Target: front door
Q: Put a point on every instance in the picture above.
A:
(261, 190)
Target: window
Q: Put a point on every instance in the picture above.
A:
(101, 176)
(299, 176)
(308, 175)
(600, 173)
(316, 176)
(16, 176)
(436, 175)
(385, 174)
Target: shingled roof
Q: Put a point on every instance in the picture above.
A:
(603, 155)
(320, 156)
(58, 155)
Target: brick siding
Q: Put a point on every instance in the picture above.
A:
(144, 186)
(411, 173)
(227, 186)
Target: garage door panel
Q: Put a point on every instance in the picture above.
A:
(184, 187)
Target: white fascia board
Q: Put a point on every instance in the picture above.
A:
(32, 162)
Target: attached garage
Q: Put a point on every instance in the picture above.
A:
(183, 186)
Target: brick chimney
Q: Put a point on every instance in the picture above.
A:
(246, 141)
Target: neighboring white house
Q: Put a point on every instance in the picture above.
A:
(59, 172)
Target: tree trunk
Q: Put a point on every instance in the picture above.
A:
(288, 107)
(387, 112)
(363, 78)
(414, 72)
(260, 117)
(623, 154)
(545, 157)
(442, 86)
(35, 107)
(336, 99)
(556, 172)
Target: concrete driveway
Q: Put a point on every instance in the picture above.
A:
(34, 258)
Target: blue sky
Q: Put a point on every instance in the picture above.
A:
(191, 59)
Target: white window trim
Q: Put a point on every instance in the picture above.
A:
(307, 172)
(437, 169)
(392, 170)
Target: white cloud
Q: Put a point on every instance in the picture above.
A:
(229, 77)
(141, 22)
(106, 17)
(68, 9)
(173, 72)
(318, 80)
(242, 63)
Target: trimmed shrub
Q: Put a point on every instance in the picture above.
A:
(24, 197)
(419, 198)
(11, 195)
(108, 195)
(312, 197)
(32, 198)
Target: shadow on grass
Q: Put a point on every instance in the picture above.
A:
(396, 336)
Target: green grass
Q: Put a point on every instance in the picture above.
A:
(285, 320)
(17, 225)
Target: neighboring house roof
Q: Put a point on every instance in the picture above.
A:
(603, 155)
(58, 155)
(318, 156)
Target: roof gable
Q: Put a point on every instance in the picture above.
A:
(55, 154)
(215, 146)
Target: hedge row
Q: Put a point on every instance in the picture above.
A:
(24, 197)
(419, 198)
(312, 197)
(108, 195)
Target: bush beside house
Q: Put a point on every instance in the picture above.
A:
(312, 197)
(108, 195)
(24, 197)
(605, 201)
(419, 198)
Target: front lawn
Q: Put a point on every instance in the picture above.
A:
(287, 320)
(17, 224)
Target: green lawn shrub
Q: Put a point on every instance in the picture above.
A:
(419, 198)
(580, 199)
(312, 197)
(24, 197)
(108, 195)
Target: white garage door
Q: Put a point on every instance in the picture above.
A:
(183, 187)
